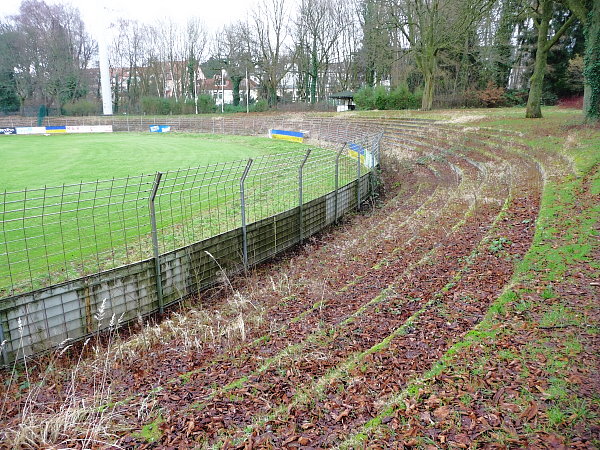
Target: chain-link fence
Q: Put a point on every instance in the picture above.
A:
(65, 248)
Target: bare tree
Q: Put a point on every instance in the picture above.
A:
(56, 50)
(376, 55)
(270, 31)
(232, 48)
(171, 42)
(318, 26)
(346, 47)
(128, 61)
(155, 67)
(195, 41)
(432, 26)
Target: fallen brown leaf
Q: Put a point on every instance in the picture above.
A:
(530, 412)
(442, 412)
(341, 415)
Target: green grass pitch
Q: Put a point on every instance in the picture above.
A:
(36, 161)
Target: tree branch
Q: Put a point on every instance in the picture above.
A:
(560, 32)
(578, 8)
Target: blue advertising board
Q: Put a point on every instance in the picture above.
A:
(160, 128)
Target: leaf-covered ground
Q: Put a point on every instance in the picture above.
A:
(460, 310)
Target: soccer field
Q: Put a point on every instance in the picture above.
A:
(36, 161)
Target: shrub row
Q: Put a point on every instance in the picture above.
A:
(80, 108)
(165, 106)
(382, 98)
(498, 97)
(258, 106)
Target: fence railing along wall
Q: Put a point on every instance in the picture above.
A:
(139, 244)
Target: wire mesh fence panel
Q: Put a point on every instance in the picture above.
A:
(53, 234)
(318, 175)
(272, 185)
(194, 204)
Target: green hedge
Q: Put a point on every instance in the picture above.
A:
(164, 106)
(80, 108)
(382, 98)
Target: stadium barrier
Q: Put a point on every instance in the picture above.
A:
(286, 135)
(169, 235)
(57, 129)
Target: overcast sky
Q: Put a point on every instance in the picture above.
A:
(214, 13)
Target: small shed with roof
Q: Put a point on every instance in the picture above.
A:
(344, 101)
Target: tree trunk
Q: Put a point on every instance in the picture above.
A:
(427, 100)
(313, 88)
(22, 105)
(272, 93)
(591, 104)
(116, 100)
(314, 72)
(536, 84)
(427, 64)
(235, 84)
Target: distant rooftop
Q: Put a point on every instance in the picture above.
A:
(343, 94)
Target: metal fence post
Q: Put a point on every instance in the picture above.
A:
(377, 145)
(377, 155)
(300, 195)
(243, 211)
(159, 290)
(358, 178)
(337, 179)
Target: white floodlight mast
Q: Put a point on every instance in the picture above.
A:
(101, 32)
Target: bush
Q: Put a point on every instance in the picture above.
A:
(80, 108)
(229, 108)
(492, 96)
(471, 99)
(549, 98)
(165, 106)
(402, 98)
(206, 104)
(382, 98)
(575, 102)
(260, 106)
(155, 105)
(364, 98)
(516, 97)
(495, 97)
